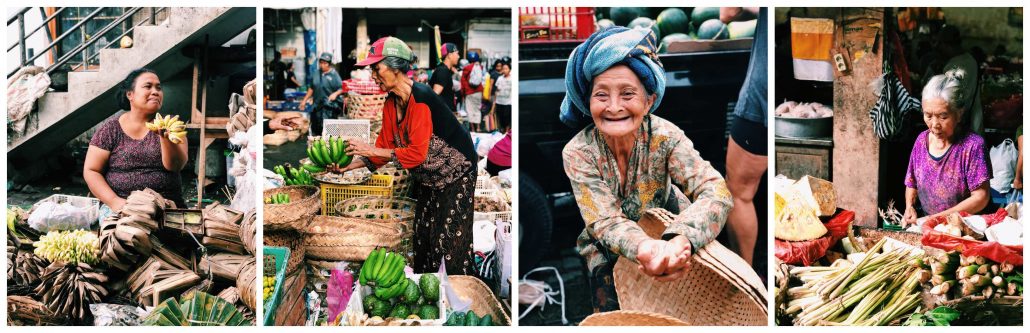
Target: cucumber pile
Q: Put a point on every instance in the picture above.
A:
(468, 319)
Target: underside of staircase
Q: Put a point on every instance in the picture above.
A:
(89, 100)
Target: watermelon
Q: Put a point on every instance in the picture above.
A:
(673, 20)
(703, 14)
(712, 29)
(622, 16)
(604, 24)
(646, 23)
(676, 37)
(744, 29)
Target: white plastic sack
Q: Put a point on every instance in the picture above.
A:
(1003, 159)
(483, 236)
(50, 216)
(476, 78)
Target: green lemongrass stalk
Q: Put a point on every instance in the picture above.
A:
(839, 286)
(866, 305)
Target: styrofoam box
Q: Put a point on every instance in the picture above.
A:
(355, 307)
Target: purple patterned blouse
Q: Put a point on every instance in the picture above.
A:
(943, 182)
(135, 164)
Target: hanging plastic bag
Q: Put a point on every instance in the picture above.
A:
(1003, 160)
(339, 291)
(51, 216)
(457, 303)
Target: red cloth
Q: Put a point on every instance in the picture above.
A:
(466, 88)
(418, 126)
(991, 250)
(807, 252)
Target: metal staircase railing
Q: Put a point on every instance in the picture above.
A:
(25, 59)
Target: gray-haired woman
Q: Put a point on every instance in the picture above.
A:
(947, 170)
(421, 134)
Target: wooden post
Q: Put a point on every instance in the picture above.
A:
(204, 141)
(855, 145)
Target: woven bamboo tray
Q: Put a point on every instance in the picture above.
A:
(304, 204)
(630, 318)
(719, 289)
(396, 212)
(351, 177)
(483, 300)
(334, 238)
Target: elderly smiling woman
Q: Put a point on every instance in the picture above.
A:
(626, 160)
(947, 170)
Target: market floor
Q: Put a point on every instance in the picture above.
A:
(290, 152)
(578, 304)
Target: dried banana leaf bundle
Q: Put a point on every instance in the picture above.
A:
(124, 241)
(27, 269)
(69, 289)
(225, 266)
(156, 280)
(222, 229)
(247, 283)
(25, 311)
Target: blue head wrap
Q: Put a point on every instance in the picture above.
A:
(635, 48)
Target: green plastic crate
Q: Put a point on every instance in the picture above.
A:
(274, 260)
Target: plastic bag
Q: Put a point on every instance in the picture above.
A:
(339, 291)
(483, 236)
(807, 252)
(116, 314)
(1003, 160)
(51, 216)
(457, 303)
(991, 250)
(505, 254)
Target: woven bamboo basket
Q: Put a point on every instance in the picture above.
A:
(292, 240)
(247, 282)
(630, 318)
(304, 204)
(342, 238)
(397, 212)
(401, 179)
(719, 289)
(483, 300)
(361, 106)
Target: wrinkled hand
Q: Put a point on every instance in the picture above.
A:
(664, 260)
(360, 148)
(283, 121)
(910, 217)
(117, 204)
(354, 164)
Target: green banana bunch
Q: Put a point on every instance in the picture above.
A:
(385, 271)
(68, 246)
(278, 199)
(328, 153)
(294, 176)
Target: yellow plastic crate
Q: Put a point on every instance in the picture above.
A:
(381, 185)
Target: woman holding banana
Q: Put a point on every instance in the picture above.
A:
(421, 134)
(138, 149)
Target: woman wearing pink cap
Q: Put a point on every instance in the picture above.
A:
(421, 134)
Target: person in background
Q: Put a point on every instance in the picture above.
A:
(421, 134)
(125, 156)
(291, 77)
(746, 153)
(954, 56)
(948, 171)
(323, 85)
(626, 160)
(502, 99)
(472, 89)
(499, 157)
(442, 82)
(278, 70)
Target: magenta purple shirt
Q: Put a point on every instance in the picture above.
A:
(943, 182)
(135, 164)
